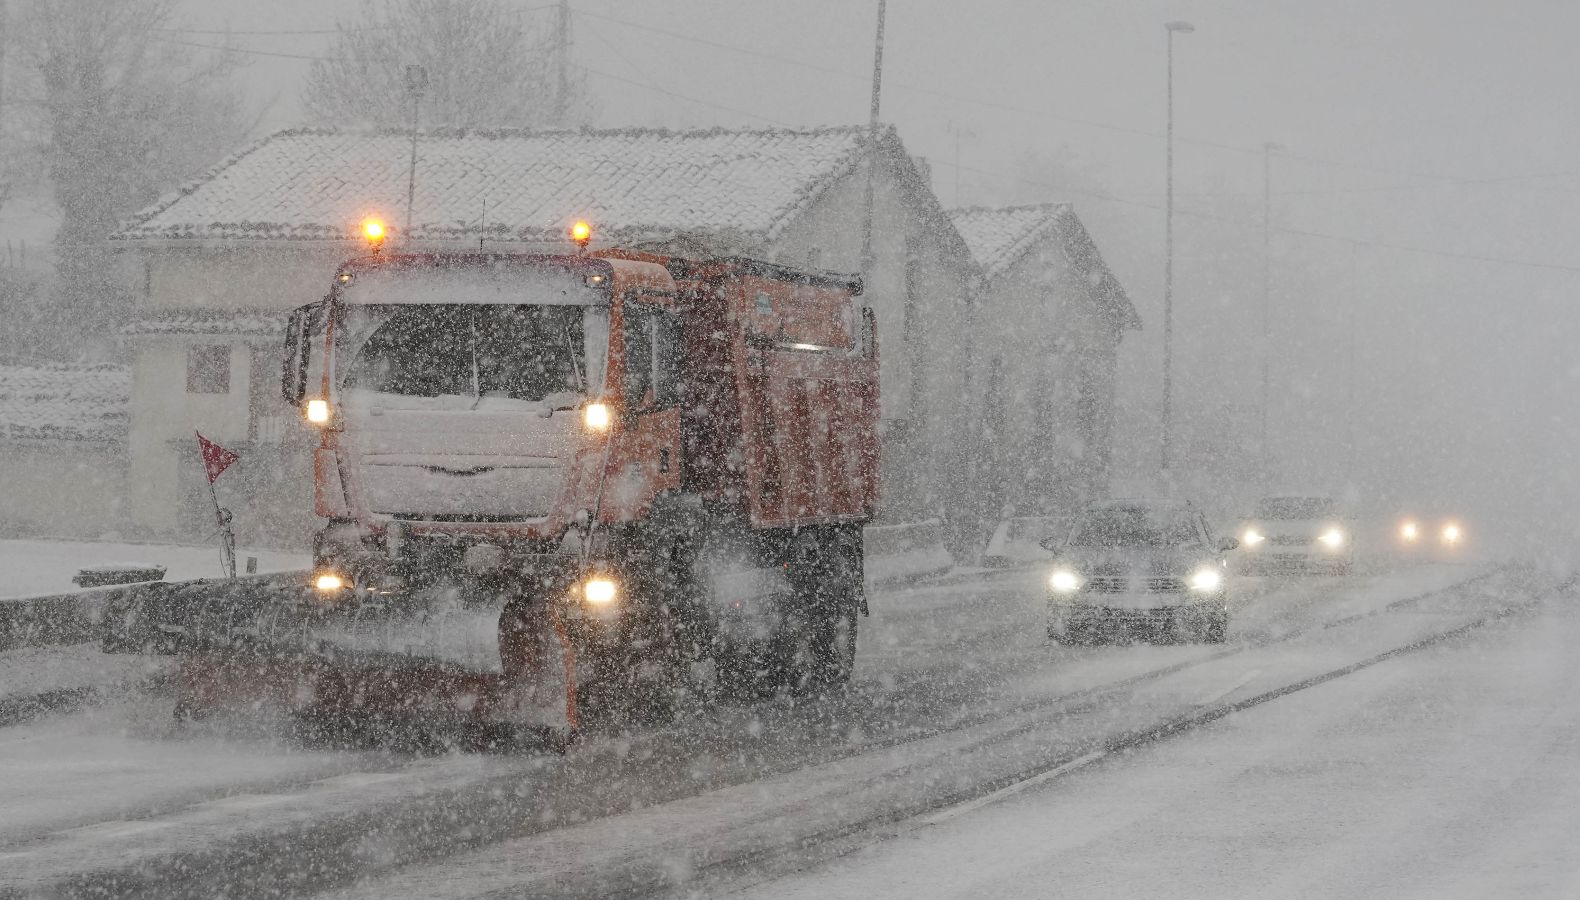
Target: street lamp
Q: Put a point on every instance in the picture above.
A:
(1168, 261)
(416, 86)
(1267, 306)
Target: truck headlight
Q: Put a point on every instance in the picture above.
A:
(1064, 581)
(596, 416)
(1452, 533)
(1333, 538)
(1252, 537)
(318, 412)
(1410, 532)
(599, 591)
(1206, 579)
(328, 581)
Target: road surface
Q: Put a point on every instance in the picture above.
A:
(959, 698)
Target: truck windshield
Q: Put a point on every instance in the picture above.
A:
(1135, 526)
(519, 352)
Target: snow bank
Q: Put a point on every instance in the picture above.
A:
(900, 552)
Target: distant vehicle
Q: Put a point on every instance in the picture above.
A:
(1297, 534)
(1139, 563)
(1439, 537)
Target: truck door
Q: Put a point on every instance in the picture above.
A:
(648, 451)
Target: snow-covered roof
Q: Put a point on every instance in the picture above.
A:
(209, 323)
(999, 237)
(634, 184)
(60, 402)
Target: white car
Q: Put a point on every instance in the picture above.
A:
(1297, 534)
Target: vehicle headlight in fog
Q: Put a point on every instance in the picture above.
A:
(1064, 581)
(329, 581)
(1333, 537)
(1252, 537)
(1206, 578)
(596, 416)
(1410, 532)
(1452, 533)
(318, 412)
(599, 591)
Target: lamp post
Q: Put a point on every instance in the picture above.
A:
(1267, 307)
(1168, 262)
(416, 86)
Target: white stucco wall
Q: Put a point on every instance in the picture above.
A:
(1041, 320)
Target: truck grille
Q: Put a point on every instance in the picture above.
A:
(1119, 584)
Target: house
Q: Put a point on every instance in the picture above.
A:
(225, 258)
(1051, 316)
(62, 433)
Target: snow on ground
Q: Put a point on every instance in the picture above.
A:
(1448, 773)
(29, 568)
(37, 670)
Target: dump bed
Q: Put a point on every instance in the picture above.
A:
(782, 371)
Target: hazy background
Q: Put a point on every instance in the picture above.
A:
(1423, 380)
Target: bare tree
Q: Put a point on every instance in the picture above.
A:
(489, 66)
(122, 109)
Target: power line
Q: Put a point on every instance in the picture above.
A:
(648, 85)
(1300, 232)
(1021, 110)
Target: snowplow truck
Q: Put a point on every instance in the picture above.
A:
(553, 487)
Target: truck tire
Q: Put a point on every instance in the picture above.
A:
(829, 588)
(1216, 630)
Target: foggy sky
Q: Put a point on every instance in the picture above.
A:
(1464, 369)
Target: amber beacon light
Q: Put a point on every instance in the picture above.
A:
(373, 230)
(581, 233)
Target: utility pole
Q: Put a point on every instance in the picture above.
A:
(562, 62)
(1168, 267)
(872, 146)
(416, 85)
(1267, 308)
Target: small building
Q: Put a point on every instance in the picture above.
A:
(1051, 316)
(225, 258)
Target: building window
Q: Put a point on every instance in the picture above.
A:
(208, 369)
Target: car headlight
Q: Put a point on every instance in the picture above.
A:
(1252, 537)
(329, 581)
(599, 591)
(1452, 533)
(1333, 537)
(1410, 532)
(1206, 578)
(1064, 581)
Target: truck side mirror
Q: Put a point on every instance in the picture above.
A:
(293, 365)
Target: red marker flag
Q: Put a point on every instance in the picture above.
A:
(216, 459)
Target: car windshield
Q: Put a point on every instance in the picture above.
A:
(1135, 526)
(1294, 508)
(519, 352)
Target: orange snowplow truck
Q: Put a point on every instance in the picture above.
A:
(553, 487)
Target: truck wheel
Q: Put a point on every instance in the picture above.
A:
(826, 569)
(746, 676)
(1217, 627)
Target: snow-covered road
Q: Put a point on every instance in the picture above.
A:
(1453, 772)
(959, 694)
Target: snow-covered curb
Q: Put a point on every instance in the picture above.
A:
(905, 552)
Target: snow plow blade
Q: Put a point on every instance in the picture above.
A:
(350, 661)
